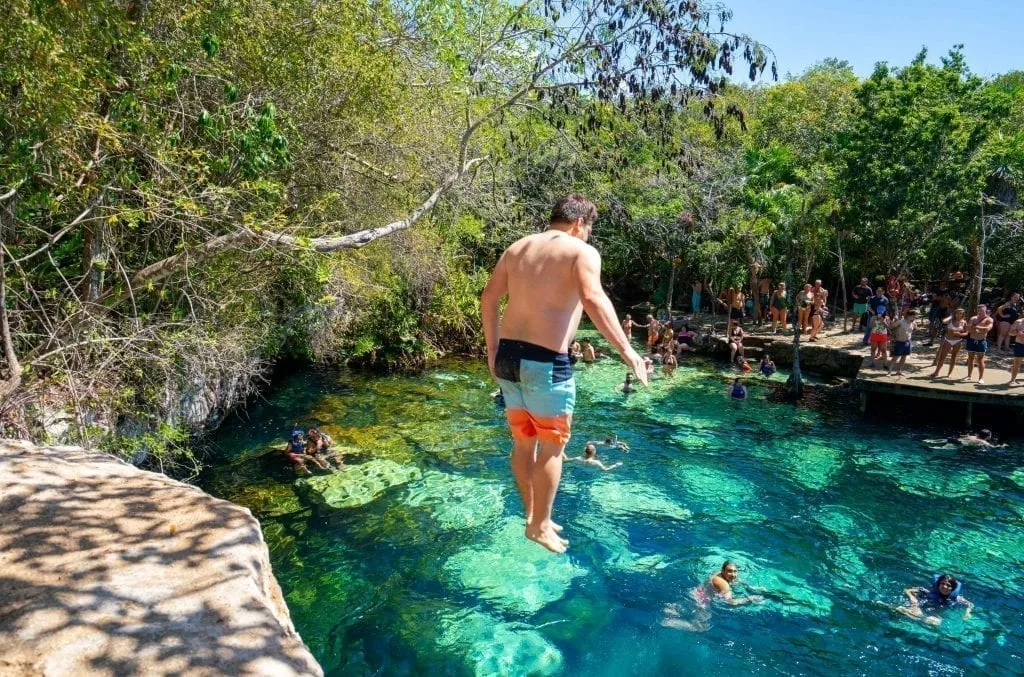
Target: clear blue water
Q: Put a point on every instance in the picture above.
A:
(830, 513)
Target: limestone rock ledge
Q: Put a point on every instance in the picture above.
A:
(106, 569)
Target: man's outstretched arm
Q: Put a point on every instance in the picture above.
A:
(600, 310)
(490, 308)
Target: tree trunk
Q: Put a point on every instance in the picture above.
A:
(671, 287)
(755, 291)
(13, 380)
(978, 253)
(95, 255)
(842, 277)
(795, 382)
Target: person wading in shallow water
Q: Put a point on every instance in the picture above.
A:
(550, 278)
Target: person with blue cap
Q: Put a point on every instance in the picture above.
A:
(295, 452)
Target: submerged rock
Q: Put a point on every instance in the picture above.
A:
(355, 485)
(491, 647)
(455, 501)
(513, 572)
(108, 569)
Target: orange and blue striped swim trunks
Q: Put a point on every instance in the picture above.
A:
(539, 390)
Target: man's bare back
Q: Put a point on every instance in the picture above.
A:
(549, 280)
(544, 305)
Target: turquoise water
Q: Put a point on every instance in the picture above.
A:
(830, 514)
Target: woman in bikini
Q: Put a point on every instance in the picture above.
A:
(956, 330)
(1006, 315)
(779, 308)
(804, 301)
(817, 313)
(1017, 332)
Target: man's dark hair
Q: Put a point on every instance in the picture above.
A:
(728, 563)
(571, 207)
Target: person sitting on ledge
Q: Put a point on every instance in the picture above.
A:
(295, 452)
(318, 446)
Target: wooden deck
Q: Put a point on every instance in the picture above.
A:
(916, 381)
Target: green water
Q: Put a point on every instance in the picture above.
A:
(828, 512)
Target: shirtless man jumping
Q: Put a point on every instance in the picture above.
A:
(550, 278)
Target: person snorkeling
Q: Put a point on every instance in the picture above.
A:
(925, 604)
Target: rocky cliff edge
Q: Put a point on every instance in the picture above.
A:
(106, 569)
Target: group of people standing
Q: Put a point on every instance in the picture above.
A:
(889, 319)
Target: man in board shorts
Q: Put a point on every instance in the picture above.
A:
(550, 278)
(978, 328)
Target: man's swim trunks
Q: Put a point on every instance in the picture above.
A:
(977, 345)
(539, 389)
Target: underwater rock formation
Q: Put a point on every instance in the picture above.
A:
(355, 485)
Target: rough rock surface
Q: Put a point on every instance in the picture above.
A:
(106, 569)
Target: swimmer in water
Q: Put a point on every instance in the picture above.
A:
(627, 385)
(717, 588)
(984, 438)
(670, 364)
(590, 458)
(926, 603)
(738, 391)
(767, 366)
(612, 442)
(588, 354)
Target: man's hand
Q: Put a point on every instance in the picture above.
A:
(636, 363)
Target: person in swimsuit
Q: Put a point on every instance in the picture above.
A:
(880, 337)
(818, 309)
(736, 311)
(767, 367)
(1006, 315)
(779, 309)
(550, 278)
(901, 333)
(978, 328)
(685, 339)
(956, 330)
(861, 294)
(764, 291)
(588, 354)
(295, 452)
(1017, 333)
(735, 343)
(716, 588)
(695, 296)
(612, 442)
(590, 458)
(670, 364)
(804, 301)
(627, 385)
(737, 391)
(628, 324)
(927, 603)
(653, 332)
(318, 446)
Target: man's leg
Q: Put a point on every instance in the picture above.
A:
(981, 368)
(524, 453)
(970, 364)
(547, 473)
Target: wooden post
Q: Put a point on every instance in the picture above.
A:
(970, 414)
(863, 401)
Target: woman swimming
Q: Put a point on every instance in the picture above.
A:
(956, 330)
(738, 391)
(926, 603)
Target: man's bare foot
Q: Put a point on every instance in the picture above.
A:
(547, 538)
(554, 525)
